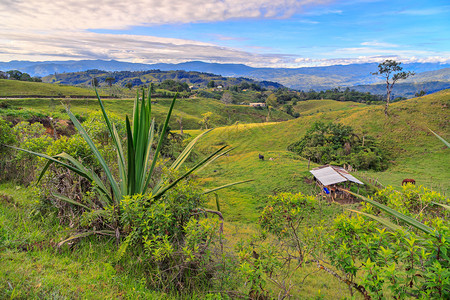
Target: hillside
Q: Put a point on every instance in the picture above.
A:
(137, 78)
(414, 152)
(15, 88)
(188, 110)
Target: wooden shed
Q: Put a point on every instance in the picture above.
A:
(328, 177)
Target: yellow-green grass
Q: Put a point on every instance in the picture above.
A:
(188, 110)
(310, 107)
(413, 151)
(9, 88)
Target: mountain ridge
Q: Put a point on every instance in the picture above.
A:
(304, 78)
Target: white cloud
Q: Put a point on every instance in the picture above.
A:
(60, 30)
(132, 48)
(111, 14)
(379, 44)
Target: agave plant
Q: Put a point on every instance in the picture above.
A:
(136, 166)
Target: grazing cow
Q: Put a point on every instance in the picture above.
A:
(261, 157)
(405, 181)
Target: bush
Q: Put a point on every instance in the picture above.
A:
(32, 137)
(392, 260)
(6, 138)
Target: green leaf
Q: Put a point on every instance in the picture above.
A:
(226, 185)
(116, 191)
(68, 200)
(158, 147)
(216, 157)
(383, 221)
(158, 193)
(444, 141)
(396, 214)
(185, 154)
(447, 207)
(82, 172)
(85, 234)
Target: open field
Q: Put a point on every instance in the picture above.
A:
(11, 88)
(414, 151)
(32, 268)
(188, 110)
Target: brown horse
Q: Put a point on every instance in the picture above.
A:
(405, 181)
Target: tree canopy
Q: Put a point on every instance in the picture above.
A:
(338, 144)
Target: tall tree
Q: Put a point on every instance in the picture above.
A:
(392, 72)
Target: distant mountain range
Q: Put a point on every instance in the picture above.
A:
(317, 78)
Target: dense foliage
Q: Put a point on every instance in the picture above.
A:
(17, 75)
(396, 261)
(335, 143)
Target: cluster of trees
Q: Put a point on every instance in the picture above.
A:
(285, 95)
(338, 144)
(17, 75)
(174, 86)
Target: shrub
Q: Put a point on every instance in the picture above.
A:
(407, 261)
(32, 137)
(6, 138)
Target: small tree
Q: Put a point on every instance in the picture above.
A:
(271, 102)
(205, 121)
(95, 82)
(211, 84)
(110, 80)
(392, 72)
(14, 74)
(227, 98)
(129, 85)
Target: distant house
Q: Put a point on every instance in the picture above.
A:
(257, 104)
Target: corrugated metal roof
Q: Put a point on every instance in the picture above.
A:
(328, 175)
(347, 175)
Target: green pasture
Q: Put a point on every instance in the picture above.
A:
(30, 267)
(9, 88)
(189, 111)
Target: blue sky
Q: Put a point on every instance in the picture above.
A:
(277, 33)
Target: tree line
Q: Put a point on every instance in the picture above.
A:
(17, 75)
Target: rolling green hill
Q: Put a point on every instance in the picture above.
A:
(414, 152)
(15, 88)
(33, 269)
(137, 78)
(189, 110)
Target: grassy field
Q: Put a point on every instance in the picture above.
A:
(10, 88)
(189, 110)
(311, 107)
(414, 151)
(31, 268)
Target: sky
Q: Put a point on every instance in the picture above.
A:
(258, 33)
